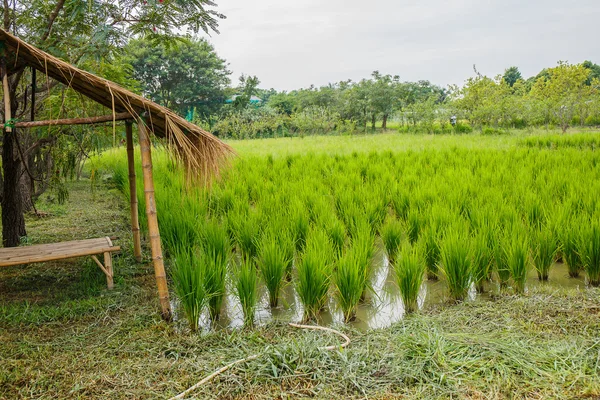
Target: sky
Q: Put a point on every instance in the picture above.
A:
(292, 44)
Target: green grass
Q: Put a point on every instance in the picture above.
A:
(391, 234)
(516, 252)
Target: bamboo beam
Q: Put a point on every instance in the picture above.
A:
(154, 234)
(71, 121)
(135, 224)
(5, 88)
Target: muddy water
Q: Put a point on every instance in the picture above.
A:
(380, 309)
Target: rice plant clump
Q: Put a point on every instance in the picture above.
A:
(570, 239)
(516, 251)
(272, 264)
(215, 255)
(500, 262)
(246, 289)
(431, 252)
(314, 274)
(410, 272)
(187, 273)
(456, 265)
(590, 252)
(349, 281)
(482, 261)
(391, 234)
(544, 249)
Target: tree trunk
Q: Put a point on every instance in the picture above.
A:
(384, 122)
(373, 120)
(13, 222)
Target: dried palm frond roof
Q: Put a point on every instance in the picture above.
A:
(201, 152)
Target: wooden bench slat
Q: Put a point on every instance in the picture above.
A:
(55, 251)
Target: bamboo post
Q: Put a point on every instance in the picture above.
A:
(135, 224)
(157, 257)
(109, 270)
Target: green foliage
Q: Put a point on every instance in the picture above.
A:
(410, 272)
(482, 260)
(184, 76)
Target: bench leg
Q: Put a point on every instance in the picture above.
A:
(109, 269)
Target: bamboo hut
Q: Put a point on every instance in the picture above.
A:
(201, 153)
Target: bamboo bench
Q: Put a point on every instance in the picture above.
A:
(59, 251)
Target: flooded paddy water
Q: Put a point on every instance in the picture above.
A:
(382, 306)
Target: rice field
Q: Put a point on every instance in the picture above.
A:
(363, 230)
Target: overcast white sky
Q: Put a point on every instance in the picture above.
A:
(293, 44)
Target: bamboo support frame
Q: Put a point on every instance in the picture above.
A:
(72, 121)
(135, 224)
(153, 231)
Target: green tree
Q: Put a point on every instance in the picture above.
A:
(512, 75)
(88, 34)
(185, 76)
(564, 92)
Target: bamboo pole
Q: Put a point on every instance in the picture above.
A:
(72, 121)
(5, 88)
(135, 224)
(154, 234)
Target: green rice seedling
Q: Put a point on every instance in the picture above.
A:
(215, 241)
(215, 275)
(349, 281)
(314, 274)
(455, 262)
(570, 248)
(363, 245)
(414, 225)
(516, 252)
(299, 224)
(337, 234)
(246, 231)
(482, 261)
(273, 261)
(544, 249)
(410, 272)
(187, 273)
(401, 205)
(590, 252)
(216, 251)
(501, 266)
(391, 233)
(246, 289)
(429, 242)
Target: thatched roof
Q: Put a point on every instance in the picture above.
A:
(201, 152)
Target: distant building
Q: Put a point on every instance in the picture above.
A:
(253, 99)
